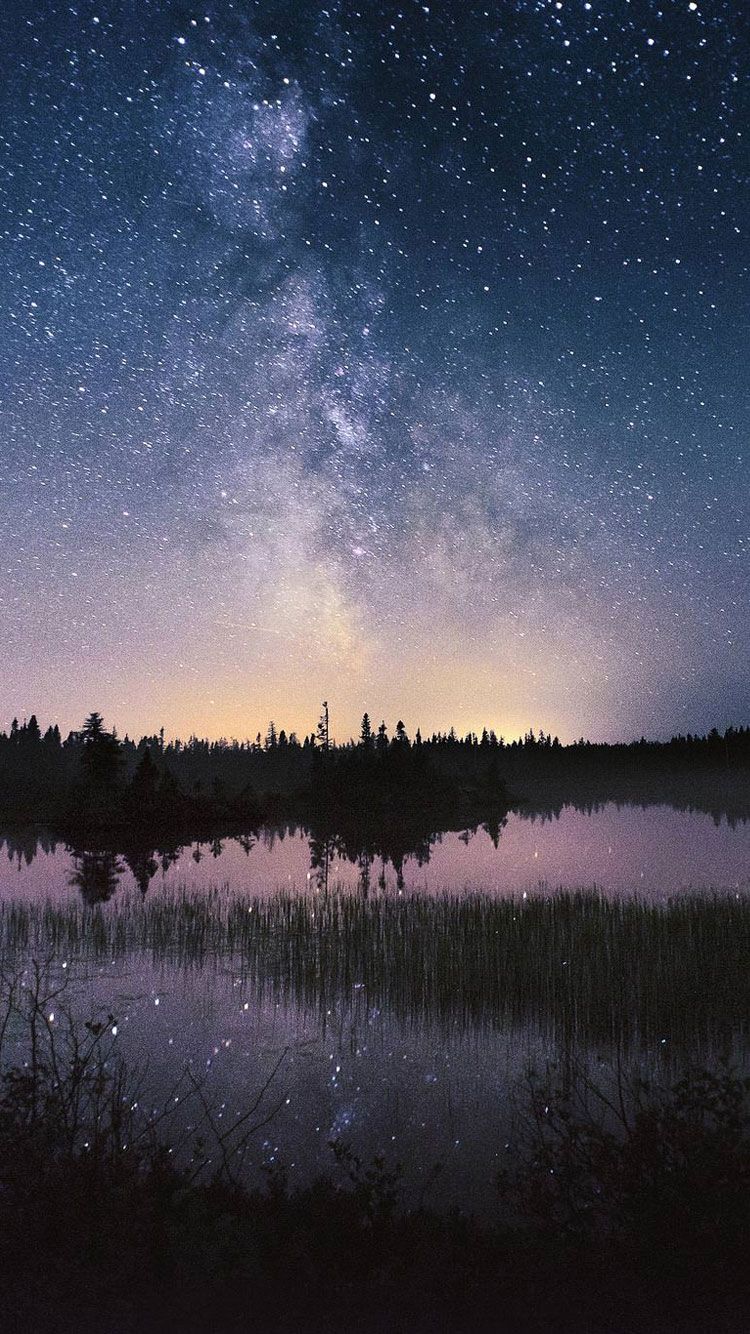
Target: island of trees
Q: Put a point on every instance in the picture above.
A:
(91, 780)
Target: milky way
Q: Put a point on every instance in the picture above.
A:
(394, 355)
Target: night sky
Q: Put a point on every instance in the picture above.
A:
(395, 355)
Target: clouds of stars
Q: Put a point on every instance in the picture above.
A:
(391, 354)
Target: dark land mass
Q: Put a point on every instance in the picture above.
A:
(92, 782)
(125, 804)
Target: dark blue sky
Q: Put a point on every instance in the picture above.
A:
(397, 355)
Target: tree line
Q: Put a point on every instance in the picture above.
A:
(94, 775)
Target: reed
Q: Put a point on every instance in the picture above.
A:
(577, 966)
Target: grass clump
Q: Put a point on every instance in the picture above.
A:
(579, 967)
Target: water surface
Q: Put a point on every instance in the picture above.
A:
(402, 1003)
(654, 852)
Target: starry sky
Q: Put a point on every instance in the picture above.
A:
(394, 354)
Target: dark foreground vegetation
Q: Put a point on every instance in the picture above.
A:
(618, 1210)
(91, 782)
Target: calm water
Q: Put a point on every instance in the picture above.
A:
(388, 1079)
(653, 852)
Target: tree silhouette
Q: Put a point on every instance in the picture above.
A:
(102, 756)
(323, 735)
(145, 781)
(93, 728)
(93, 779)
(365, 735)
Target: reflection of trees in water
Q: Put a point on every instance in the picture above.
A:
(374, 852)
(358, 842)
(23, 845)
(96, 874)
(168, 857)
(202, 850)
(394, 845)
(364, 862)
(377, 852)
(143, 867)
(277, 832)
(495, 828)
(323, 848)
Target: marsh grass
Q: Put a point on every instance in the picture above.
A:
(577, 966)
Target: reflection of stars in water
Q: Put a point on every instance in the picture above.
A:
(400, 346)
(342, 1122)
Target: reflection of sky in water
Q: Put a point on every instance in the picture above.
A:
(417, 1095)
(621, 850)
(415, 1091)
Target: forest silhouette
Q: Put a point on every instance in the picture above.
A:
(380, 787)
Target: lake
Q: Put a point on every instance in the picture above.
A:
(654, 852)
(398, 1006)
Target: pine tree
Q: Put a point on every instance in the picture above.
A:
(322, 735)
(93, 727)
(102, 755)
